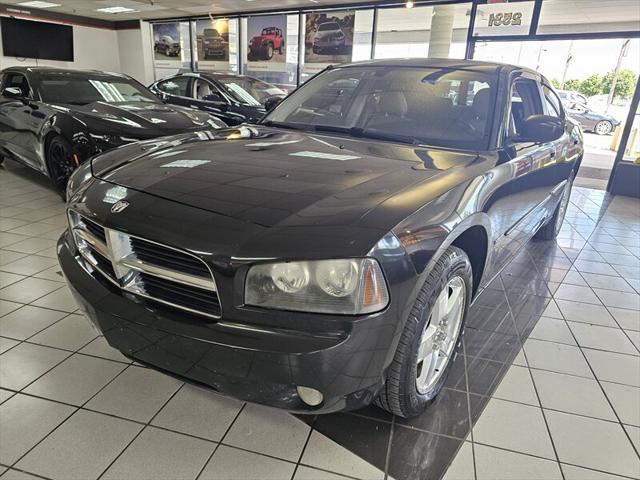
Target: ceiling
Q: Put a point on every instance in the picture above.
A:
(147, 9)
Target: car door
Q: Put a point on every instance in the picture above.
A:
(175, 90)
(527, 175)
(21, 119)
(207, 96)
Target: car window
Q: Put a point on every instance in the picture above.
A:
(80, 89)
(525, 101)
(249, 91)
(553, 105)
(203, 88)
(434, 106)
(175, 86)
(17, 80)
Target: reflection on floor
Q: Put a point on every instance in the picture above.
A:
(546, 385)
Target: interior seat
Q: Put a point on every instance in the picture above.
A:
(202, 90)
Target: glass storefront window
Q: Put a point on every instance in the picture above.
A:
(497, 19)
(435, 31)
(363, 36)
(270, 49)
(560, 16)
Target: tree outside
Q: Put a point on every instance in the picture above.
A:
(597, 84)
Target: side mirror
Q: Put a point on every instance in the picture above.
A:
(162, 96)
(13, 92)
(540, 129)
(213, 97)
(272, 103)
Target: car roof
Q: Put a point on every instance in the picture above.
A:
(476, 65)
(212, 74)
(57, 70)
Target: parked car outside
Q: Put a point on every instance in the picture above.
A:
(329, 38)
(213, 44)
(571, 96)
(232, 98)
(261, 47)
(591, 120)
(167, 46)
(325, 257)
(54, 119)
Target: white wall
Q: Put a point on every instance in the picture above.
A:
(124, 51)
(134, 52)
(92, 48)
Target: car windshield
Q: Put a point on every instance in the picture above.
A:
(328, 26)
(211, 32)
(249, 91)
(268, 31)
(82, 90)
(441, 107)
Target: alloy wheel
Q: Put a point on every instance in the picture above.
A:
(603, 127)
(440, 335)
(60, 163)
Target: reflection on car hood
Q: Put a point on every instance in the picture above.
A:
(139, 119)
(287, 178)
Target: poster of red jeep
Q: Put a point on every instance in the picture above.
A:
(266, 43)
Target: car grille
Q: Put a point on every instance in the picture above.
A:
(146, 268)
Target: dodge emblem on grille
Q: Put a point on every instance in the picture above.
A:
(119, 206)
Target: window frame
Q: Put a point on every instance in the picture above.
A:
(519, 76)
(189, 87)
(547, 88)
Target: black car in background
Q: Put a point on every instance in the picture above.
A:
(235, 99)
(326, 257)
(590, 120)
(55, 119)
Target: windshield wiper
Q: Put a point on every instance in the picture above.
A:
(290, 126)
(364, 133)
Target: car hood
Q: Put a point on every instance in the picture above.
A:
(327, 33)
(140, 119)
(275, 177)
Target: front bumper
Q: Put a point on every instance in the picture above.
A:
(249, 362)
(215, 50)
(329, 43)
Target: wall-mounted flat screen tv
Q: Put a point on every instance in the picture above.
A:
(30, 39)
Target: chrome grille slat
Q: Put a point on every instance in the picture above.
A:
(151, 269)
(147, 268)
(168, 257)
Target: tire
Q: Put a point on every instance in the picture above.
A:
(603, 127)
(400, 394)
(268, 52)
(550, 230)
(60, 163)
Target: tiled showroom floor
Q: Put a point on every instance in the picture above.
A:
(547, 384)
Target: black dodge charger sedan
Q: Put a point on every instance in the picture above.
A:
(55, 119)
(326, 257)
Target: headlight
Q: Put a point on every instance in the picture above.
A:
(345, 286)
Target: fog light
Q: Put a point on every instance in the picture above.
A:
(310, 396)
